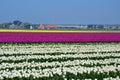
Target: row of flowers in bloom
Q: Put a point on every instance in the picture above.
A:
(60, 61)
(58, 47)
(59, 36)
(50, 72)
(64, 63)
(27, 57)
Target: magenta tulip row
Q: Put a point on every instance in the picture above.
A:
(58, 37)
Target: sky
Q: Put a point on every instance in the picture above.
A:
(61, 11)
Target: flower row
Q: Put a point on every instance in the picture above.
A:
(76, 70)
(44, 48)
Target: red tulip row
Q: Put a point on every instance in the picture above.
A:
(59, 37)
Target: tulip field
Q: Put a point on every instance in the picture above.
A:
(60, 61)
(59, 36)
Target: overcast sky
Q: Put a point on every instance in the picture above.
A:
(61, 11)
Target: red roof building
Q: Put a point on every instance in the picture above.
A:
(41, 26)
(50, 26)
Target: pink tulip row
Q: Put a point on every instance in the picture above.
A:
(59, 37)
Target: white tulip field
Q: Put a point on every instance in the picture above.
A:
(60, 61)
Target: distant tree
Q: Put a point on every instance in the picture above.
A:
(1, 26)
(17, 22)
(5, 25)
(27, 25)
(90, 26)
